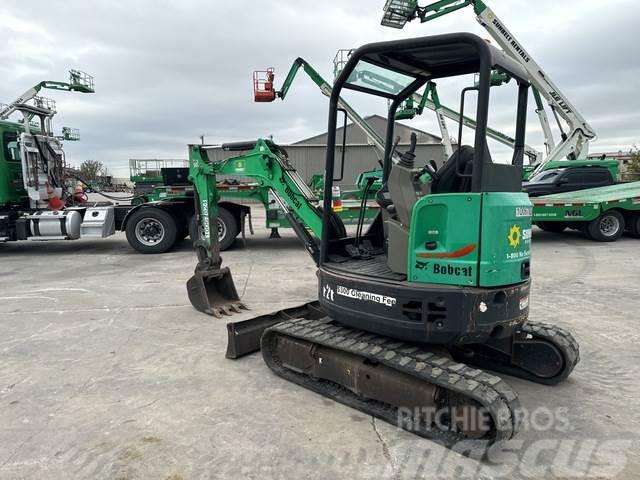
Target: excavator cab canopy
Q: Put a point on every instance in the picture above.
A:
(388, 69)
(397, 69)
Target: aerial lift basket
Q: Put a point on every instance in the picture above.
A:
(81, 81)
(398, 12)
(263, 90)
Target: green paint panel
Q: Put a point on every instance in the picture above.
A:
(448, 246)
(506, 238)
(449, 224)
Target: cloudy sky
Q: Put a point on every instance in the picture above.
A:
(167, 72)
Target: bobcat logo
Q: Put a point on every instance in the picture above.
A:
(422, 265)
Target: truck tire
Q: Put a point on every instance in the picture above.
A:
(193, 229)
(555, 227)
(183, 228)
(635, 225)
(228, 228)
(151, 230)
(608, 227)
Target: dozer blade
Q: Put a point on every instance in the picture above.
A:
(213, 292)
(244, 336)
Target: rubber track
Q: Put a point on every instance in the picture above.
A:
(488, 390)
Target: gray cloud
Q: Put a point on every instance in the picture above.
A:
(169, 71)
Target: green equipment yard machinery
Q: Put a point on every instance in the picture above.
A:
(37, 196)
(440, 277)
(575, 131)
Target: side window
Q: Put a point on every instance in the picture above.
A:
(574, 177)
(11, 149)
(597, 177)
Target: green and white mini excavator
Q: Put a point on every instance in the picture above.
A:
(411, 310)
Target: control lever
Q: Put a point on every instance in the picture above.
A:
(408, 157)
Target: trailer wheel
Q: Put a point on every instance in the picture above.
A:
(555, 227)
(228, 228)
(608, 227)
(151, 230)
(635, 225)
(182, 227)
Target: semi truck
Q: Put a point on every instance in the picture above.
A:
(40, 196)
(40, 200)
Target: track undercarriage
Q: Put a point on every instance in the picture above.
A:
(424, 389)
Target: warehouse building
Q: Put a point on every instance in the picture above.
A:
(308, 155)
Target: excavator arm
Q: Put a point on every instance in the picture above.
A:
(211, 289)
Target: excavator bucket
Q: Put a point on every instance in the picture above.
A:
(213, 292)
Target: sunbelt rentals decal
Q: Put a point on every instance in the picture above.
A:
(365, 296)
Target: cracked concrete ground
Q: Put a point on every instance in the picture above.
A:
(107, 372)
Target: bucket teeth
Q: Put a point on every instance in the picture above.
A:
(230, 309)
(238, 307)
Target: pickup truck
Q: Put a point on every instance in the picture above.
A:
(568, 179)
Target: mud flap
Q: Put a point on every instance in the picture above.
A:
(244, 336)
(213, 292)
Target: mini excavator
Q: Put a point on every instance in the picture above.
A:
(411, 311)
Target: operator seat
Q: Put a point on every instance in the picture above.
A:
(448, 180)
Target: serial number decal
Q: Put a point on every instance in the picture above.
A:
(365, 296)
(524, 211)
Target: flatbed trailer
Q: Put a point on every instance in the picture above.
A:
(234, 208)
(603, 213)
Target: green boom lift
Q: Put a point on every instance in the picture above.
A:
(576, 133)
(440, 277)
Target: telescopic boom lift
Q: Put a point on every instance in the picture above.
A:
(574, 142)
(78, 82)
(264, 91)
